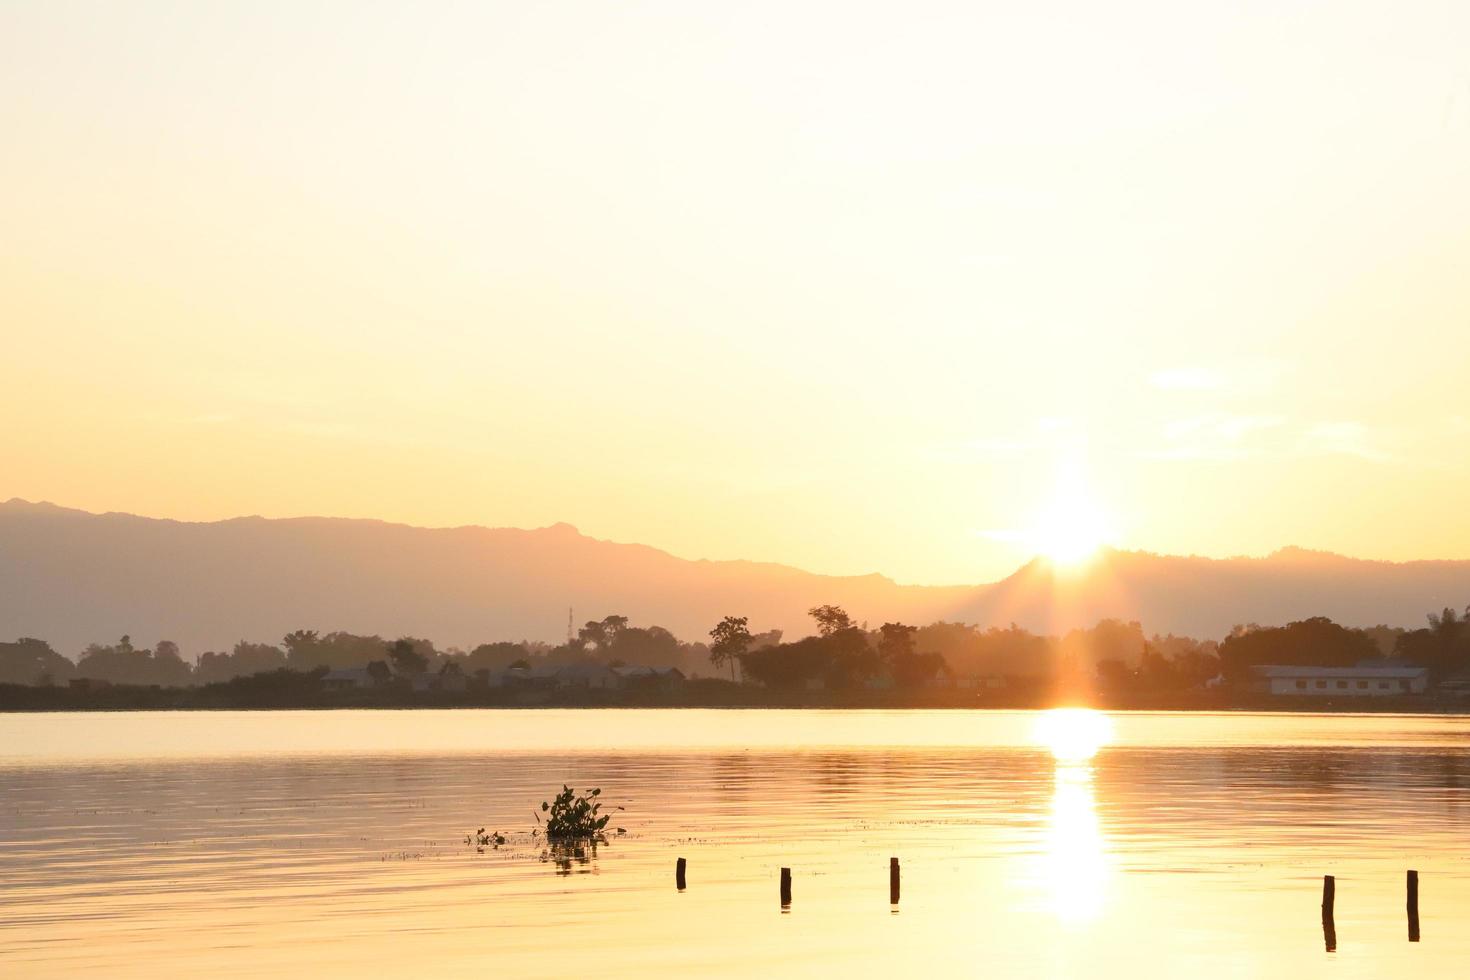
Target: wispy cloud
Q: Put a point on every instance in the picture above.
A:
(1345, 438)
(1215, 436)
(1220, 425)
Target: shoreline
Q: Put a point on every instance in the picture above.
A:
(16, 699)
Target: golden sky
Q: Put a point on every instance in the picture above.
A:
(852, 287)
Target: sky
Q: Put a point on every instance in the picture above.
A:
(914, 288)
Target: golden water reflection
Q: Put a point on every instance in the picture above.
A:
(1076, 856)
(1031, 846)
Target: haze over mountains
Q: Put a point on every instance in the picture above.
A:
(71, 577)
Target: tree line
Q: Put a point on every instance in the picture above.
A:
(844, 654)
(841, 653)
(611, 640)
(1116, 653)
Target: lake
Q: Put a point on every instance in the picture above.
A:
(331, 843)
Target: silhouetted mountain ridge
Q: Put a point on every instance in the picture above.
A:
(73, 577)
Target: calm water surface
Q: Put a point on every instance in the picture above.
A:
(331, 843)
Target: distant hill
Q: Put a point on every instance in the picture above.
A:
(1205, 597)
(72, 577)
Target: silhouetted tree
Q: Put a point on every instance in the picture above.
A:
(1115, 674)
(896, 640)
(912, 669)
(1081, 651)
(651, 646)
(244, 660)
(731, 638)
(122, 663)
(830, 619)
(306, 650)
(604, 633)
(27, 659)
(405, 659)
(1012, 651)
(1315, 642)
(301, 648)
(1444, 647)
(788, 665)
(494, 656)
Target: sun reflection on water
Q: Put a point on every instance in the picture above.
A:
(1073, 734)
(1076, 857)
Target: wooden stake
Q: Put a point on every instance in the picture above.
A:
(785, 887)
(679, 874)
(1329, 927)
(893, 881)
(1413, 906)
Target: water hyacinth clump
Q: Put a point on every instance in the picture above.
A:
(573, 817)
(482, 840)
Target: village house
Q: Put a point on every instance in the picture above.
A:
(347, 679)
(450, 678)
(592, 676)
(634, 677)
(524, 677)
(1369, 680)
(981, 682)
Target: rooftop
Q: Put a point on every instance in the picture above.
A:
(1291, 670)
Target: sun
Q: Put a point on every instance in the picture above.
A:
(1071, 527)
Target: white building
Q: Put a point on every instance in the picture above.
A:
(1366, 681)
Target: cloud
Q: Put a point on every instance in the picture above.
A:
(1345, 438)
(1220, 425)
(1216, 436)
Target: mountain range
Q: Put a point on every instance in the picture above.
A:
(73, 577)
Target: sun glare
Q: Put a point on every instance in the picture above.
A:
(1071, 527)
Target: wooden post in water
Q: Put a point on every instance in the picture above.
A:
(1413, 905)
(785, 887)
(1329, 897)
(679, 874)
(893, 881)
